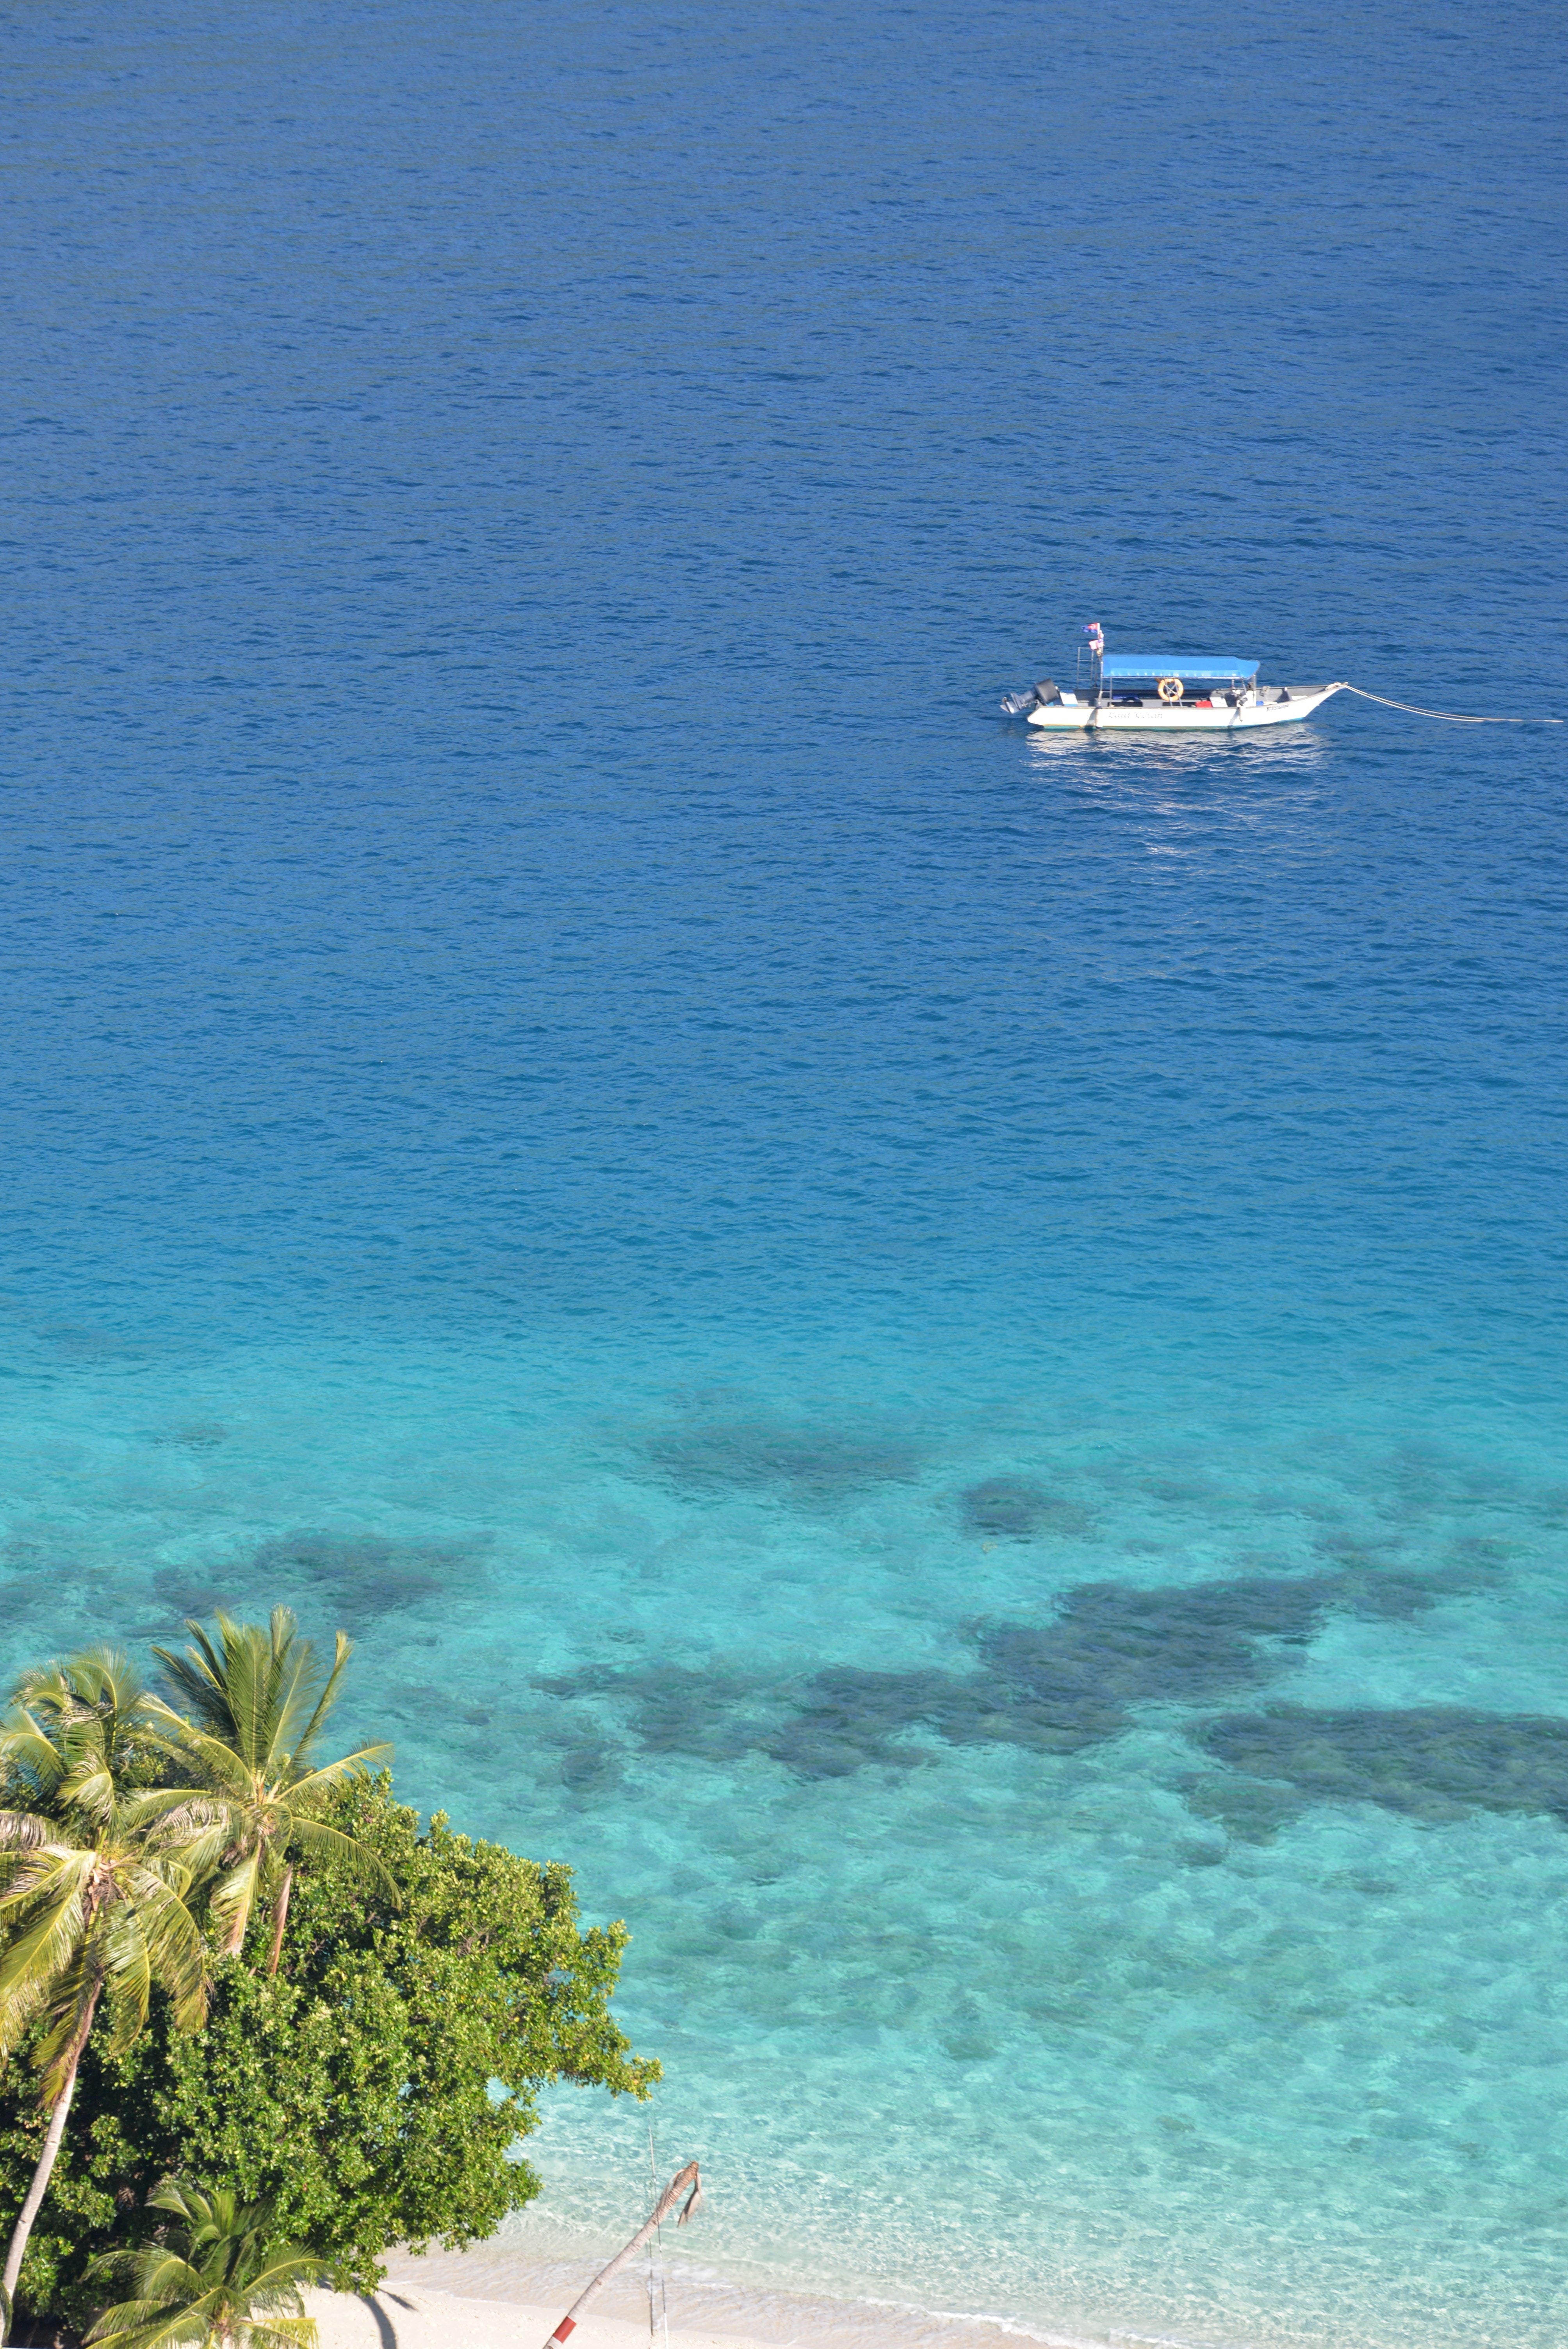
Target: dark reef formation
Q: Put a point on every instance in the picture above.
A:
(1015, 1508)
(806, 1464)
(1083, 1677)
(1433, 1763)
(354, 1577)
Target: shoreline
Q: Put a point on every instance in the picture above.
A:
(419, 2317)
(487, 2298)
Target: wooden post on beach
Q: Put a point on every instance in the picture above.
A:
(666, 2203)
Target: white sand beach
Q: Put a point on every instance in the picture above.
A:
(408, 2316)
(491, 2299)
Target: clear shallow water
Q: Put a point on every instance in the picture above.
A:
(576, 1105)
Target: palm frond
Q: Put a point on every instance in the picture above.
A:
(277, 2284)
(50, 1921)
(193, 1830)
(232, 1899)
(99, 1684)
(25, 1830)
(341, 1652)
(210, 2213)
(16, 2016)
(278, 2333)
(296, 1677)
(106, 1679)
(315, 1841)
(49, 1692)
(35, 1869)
(27, 1757)
(157, 2274)
(282, 1674)
(215, 2269)
(44, 1927)
(127, 1976)
(206, 1754)
(88, 1785)
(332, 1775)
(141, 1870)
(71, 2007)
(247, 1668)
(197, 1678)
(158, 1804)
(249, 1687)
(176, 1953)
(144, 2325)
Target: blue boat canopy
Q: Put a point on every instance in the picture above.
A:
(1188, 666)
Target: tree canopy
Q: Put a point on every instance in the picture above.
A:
(374, 2092)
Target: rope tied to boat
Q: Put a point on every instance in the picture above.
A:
(1449, 716)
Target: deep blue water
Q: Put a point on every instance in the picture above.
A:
(841, 1299)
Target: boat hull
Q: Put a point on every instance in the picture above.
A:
(1158, 717)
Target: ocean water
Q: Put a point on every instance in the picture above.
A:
(939, 1358)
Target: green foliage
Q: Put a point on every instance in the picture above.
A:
(358, 2090)
(217, 2276)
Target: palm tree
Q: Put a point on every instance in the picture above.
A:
(258, 1703)
(94, 1878)
(214, 2282)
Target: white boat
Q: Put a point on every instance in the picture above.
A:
(1163, 693)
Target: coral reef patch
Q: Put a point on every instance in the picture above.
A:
(810, 1464)
(1435, 1764)
(1074, 1683)
(361, 1575)
(1015, 1508)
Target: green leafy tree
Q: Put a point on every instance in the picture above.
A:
(93, 1888)
(217, 2279)
(361, 2090)
(257, 1702)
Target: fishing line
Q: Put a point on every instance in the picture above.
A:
(1449, 716)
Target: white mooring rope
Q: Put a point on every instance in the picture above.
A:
(1449, 716)
(659, 2294)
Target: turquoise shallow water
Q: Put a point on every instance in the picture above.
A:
(938, 1358)
(1144, 2036)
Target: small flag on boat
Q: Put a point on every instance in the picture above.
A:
(1096, 635)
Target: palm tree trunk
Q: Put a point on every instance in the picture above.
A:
(280, 1919)
(41, 2175)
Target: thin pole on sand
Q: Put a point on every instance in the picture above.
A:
(666, 2203)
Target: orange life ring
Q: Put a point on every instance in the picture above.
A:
(1170, 689)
